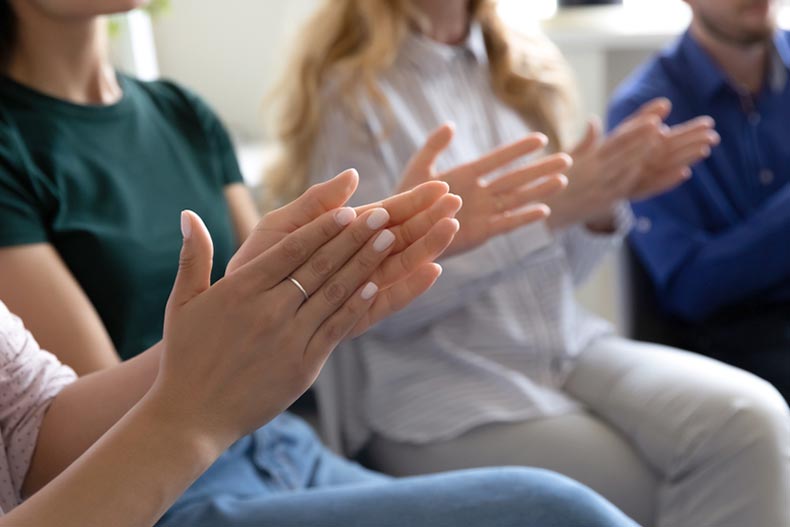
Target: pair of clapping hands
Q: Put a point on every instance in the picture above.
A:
(315, 272)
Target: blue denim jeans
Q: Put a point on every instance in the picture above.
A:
(282, 476)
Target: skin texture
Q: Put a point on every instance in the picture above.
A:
(200, 388)
(639, 159)
(510, 202)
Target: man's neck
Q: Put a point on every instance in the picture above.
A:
(66, 60)
(449, 19)
(744, 65)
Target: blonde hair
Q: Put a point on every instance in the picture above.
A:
(353, 41)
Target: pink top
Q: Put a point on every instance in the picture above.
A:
(29, 379)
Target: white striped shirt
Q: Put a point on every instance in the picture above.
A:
(495, 339)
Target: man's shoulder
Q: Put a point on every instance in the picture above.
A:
(654, 78)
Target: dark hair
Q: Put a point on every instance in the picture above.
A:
(7, 32)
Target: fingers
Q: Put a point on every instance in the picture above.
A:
(681, 132)
(661, 183)
(415, 228)
(405, 205)
(340, 324)
(592, 135)
(334, 292)
(331, 257)
(509, 222)
(194, 265)
(634, 135)
(420, 166)
(501, 157)
(315, 201)
(551, 165)
(397, 297)
(277, 263)
(426, 249)
(524, 196)
(660, 107)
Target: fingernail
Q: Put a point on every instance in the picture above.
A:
(383, 241)
(345, 216)
(186, 225)
(378, 218)
(369, 290)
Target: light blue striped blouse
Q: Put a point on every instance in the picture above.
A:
(495, 339)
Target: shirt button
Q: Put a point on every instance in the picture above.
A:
(766, 177)
(643, 225)
(754, 118)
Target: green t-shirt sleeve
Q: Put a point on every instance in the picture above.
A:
(217, 137)
(21, 213)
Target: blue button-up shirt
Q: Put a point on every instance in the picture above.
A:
(721, 239)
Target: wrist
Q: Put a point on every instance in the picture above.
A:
(202, 440)
(605, 223)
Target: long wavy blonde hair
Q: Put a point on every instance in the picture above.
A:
(353, 41)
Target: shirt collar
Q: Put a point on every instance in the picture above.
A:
(780, 68)
(709, 78)
(428, 54)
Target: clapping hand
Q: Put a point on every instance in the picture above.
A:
(296, 289)
(497, 207)
(639, 159)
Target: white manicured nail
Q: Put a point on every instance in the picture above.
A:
(186, 225)
(383, 241)
(369, 290)
(378, 218)
(345, 216)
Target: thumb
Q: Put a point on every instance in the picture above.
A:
(194, 264)
(591, 135)
(420, 167)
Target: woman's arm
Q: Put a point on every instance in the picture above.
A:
(78, 417)
(37, 286)
(129, 478)
(221, 343)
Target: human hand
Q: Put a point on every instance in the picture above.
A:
(639, 159)
(419, 220)
(607, 170)
(669, 165)
(255, 332)
(498, 207)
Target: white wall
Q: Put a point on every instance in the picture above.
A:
(230, 52)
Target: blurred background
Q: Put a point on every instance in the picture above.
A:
(232, 54)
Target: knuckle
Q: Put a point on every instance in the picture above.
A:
(186, 261)
(334, 332)
(294, 249)
(366, 261)
(321, 265)
(329, 229)
(335, 293)
(359, 236)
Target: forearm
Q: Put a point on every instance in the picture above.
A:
(129, 478)
(732, 266)
(585, 247)
(85, 410)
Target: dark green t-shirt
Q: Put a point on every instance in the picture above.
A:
(105, 186)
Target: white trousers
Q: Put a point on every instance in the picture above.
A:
(672, 438)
